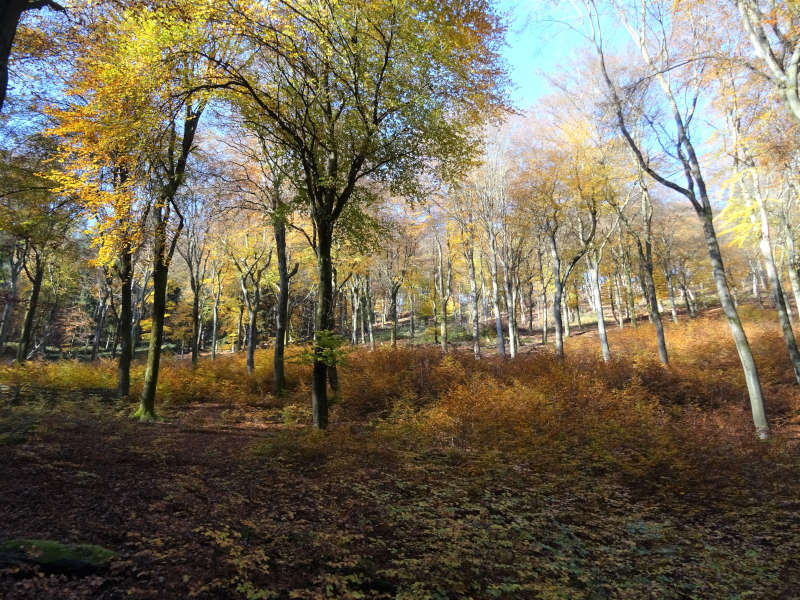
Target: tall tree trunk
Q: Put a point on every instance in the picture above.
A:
(613, 302)
(671, 290)
(498, 320)
(765, 246)
(739, 337)
(33, 302)
(594, 280)
(16, 264)
(125, 273)
(393, 312)
(215, 311)
(282, 310)
(239, 328)
(620, 300)
(469, 254)
(147, 407)
(252, 332)
(631, 295)
(98, 328)
(195, 322)
(443, 326)
(794, 280)
(557, 297)
(510, 308)
(368, 312)
(323, 322)
(652, 305)
(543, 317)
(411, 324)
(355, 314)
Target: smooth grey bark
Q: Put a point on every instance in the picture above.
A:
(369, 314)
(501, 345)
(695, 191)
(217, 290)
(765, 246)
(511, 309)
(616, 289)
(444, 285)
(561, 274)
(251, 273)
(557, 296)
(671, 291)
(750, 187)
(469, 257)
(196, 255)
(355, 314)
(794, 279)
(593, 259)
(782, 62)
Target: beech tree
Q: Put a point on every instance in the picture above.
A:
(650, 29)
(362, 90)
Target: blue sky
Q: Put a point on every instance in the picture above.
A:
(536, 45)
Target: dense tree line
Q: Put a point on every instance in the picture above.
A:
(210, 179)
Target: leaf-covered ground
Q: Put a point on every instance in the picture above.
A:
(532, 480)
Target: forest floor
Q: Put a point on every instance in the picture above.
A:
(439, 478)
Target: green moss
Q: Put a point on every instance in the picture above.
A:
(47, 552)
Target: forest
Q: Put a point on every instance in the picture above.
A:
(356, 299)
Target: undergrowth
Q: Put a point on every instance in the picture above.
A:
(445, 477)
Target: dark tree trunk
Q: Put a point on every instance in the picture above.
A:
(252, 332)
(125, 273)
(282, 310)
(147, 406)
(30, 314)
(323, 322)
(10, 14)
(98, 328)
(238, 343)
